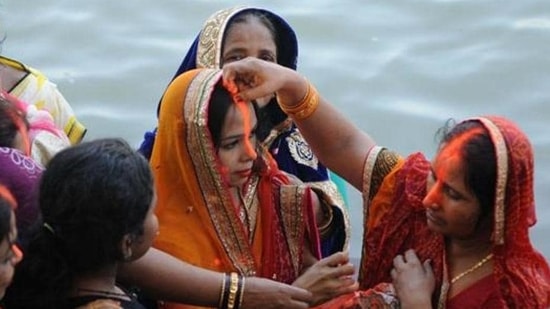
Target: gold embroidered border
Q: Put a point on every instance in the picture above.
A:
(225, 220)
(502, 177)
(378, 164)
(333, 197)
(211, 38)
(275, 132)
(292, 216)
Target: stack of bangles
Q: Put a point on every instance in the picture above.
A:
(232, 291)
(305, 107)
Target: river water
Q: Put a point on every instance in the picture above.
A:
(398, 69)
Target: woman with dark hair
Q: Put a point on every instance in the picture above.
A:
(235, 33)
(19, 172)
(450, 233)
(97, 203)
(223, 203)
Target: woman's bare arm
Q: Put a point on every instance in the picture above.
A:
(165, 277)
(336, 141)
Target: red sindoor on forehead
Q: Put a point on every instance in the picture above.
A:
(241, 106)
(454, 147)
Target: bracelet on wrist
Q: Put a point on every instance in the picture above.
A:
(305, 107)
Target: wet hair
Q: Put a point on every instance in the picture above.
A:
(479, 159)
(91, 196)
(220, 101)
(270, 115)
(9, 114)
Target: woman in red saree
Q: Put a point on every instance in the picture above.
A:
(245, 217)
(466, 215)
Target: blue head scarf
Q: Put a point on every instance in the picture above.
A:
(205, 52)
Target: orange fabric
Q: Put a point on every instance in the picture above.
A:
(6, 194)
(397, 222)
(198, 220)
(382, 200)
(180, 202)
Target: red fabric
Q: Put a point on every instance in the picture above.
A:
(483, 294)
(403, 227)
(276, 255)
(521, 271)
(521, 277)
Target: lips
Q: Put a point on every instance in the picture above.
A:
(433, 218)
(244, 173)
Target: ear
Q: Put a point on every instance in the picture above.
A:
(126, 246)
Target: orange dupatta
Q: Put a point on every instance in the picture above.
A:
(198, 221)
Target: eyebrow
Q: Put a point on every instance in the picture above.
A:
(239, 135)
(446, 185)
(244, 50)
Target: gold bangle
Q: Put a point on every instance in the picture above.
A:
(233, 288)
(305, 107)
(241, 292)
(299, 105)
(224, 291)
(330, 215)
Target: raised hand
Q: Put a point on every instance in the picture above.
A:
(256, 78)
(328, 278)
(413, 281)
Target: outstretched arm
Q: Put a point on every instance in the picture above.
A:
(337, 142)
(165, 277)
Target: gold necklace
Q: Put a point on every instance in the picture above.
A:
(471, 269)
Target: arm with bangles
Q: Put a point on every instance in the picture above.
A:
(316, 118)
(331, 276)
(165, 277)
(321, 208)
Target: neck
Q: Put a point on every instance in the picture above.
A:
(461, 248)
(101, 281)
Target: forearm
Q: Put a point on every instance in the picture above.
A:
(165, 277)
(336, 141)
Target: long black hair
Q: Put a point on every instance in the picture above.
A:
(91, 195)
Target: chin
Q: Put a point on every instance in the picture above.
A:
(433, 227)
(238, 183)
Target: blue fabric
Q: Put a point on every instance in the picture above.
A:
(280, 149)
(287, 45)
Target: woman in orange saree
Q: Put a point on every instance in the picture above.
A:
(235, 33)
(466, 215)
(248, 219)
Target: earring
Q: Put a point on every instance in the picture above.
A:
(127, 254)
